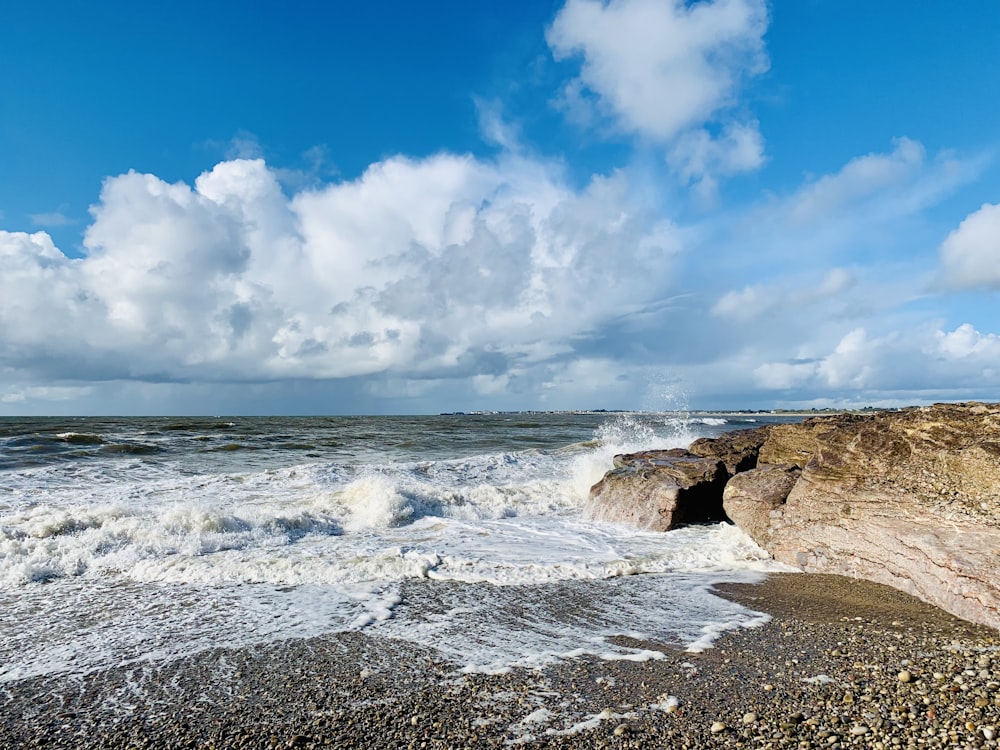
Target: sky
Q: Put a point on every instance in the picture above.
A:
(396, 207)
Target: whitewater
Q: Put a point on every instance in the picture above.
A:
(149, 539)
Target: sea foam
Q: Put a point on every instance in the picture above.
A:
(484, 555)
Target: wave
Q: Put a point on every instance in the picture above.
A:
(139, 449)
(79, 438)
(478, 555)
(197, 426)
(321, 522)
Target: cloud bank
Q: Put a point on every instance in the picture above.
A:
(445, 266)
(456, 281)
(456, 277)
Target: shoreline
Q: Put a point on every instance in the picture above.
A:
(842, 663)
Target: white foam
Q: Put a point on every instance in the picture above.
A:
(493, 629)
(666, 703)
(216, 558)
(373, 502)
(820, 679)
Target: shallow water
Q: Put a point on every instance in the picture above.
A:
(130, 539)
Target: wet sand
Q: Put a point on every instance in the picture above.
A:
(842, 663)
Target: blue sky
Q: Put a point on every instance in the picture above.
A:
(394, 207)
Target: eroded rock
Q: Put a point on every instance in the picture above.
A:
(660, 490)
(908, 498)
(749, 497)
(738, 449)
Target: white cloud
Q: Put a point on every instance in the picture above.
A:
(494, 129)
(756, 300)
(442, 267)
(659, 67)
(966, 342)
(849, 366)
(962, 363)
(859, 179)
(663, 70)
(700, 159)
(50, 219)
(970, 255)
(456, 282)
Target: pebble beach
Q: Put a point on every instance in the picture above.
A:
(841, 663)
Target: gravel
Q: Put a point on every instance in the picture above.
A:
(841, 664)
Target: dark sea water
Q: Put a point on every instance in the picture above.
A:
(142, 539)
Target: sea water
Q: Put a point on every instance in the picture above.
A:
(124, 540)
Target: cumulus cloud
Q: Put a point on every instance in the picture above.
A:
(849, 365)
(963, 363)
(663, 70)
(441, 267)
(965, 342)
(660, 68)
(970, 255)
(700, 159)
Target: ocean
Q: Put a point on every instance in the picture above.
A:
(133, 540)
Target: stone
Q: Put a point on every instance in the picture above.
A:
(717, 727)
(649, 459)
(749, 497)
(659, 490)
(908, 498)
(738, 450)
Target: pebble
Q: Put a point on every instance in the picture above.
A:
(905, 676)
(321, 694)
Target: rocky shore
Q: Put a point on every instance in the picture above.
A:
(842, 663)
(908, 498)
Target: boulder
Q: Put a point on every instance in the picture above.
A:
(660, 490)
(650, 459)
(749, 497)
(909, 498)
(737, 449)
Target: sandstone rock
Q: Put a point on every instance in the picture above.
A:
(737, 449)
(908, 498)
(650, 459)
(749, 497)
(660, 490)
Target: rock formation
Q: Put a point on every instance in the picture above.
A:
(909, 498)
(660, 490)
(749, 497)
